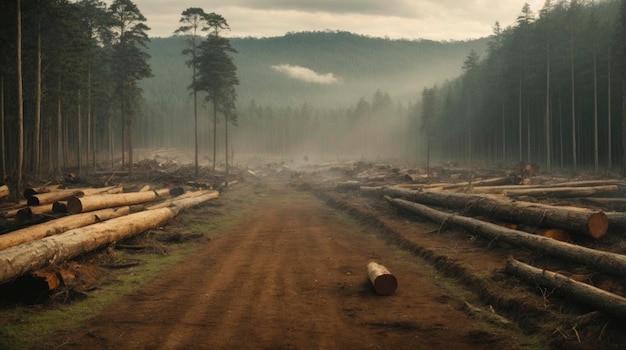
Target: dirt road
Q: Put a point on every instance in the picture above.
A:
(291, 275)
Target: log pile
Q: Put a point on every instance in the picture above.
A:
(97, 217)
(559, 219)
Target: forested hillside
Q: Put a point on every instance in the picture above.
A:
(360, 64)
(345, 68)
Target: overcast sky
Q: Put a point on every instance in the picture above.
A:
(395, 19)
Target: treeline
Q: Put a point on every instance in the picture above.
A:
(549, 90)
(69, 90)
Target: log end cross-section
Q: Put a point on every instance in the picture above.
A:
(383, 281)
(598, 224)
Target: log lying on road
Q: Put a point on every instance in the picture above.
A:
(614, 264)
(602, 300)
(383, 281)
(77, 205)
(579, 221)
(58, 226)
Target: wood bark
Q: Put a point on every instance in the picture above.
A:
(58, 226)
(23, 258)
(77, 205)
(383, 281)
(614, 264)
(543, 191)
(51, 197)
(41, 189)
(602, 300)
(579, 221)
(496, 181)
(4, 191)
(179, 199)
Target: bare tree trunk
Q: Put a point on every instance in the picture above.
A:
(3, 155)
(89, 114)
(623, 127)
(595, 110)
(20, 100)
(548, 119)
(214, 134)
(226, 137)
(130, 148)
(37, 126)
(59, 130)
(609, 144)
(574, 160)
(110, 134)
(80, 136)
(519, 116)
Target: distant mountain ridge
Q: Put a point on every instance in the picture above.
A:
(329, 68)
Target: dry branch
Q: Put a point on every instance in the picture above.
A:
(611, 263)
(576, 220)
(57, 226)
(602, 300)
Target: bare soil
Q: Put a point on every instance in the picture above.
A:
(291, 274)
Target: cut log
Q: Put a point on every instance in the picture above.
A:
(169, 192)
(77, 205)
(617, 220)
(18, 260)
(4, 191)
(348, 186)
(575, 220)
(180, 198)
(496, 181)
(58, 226)
(51, 197)
(608, 203)
(614, 264)
(56, 207)
(383, 281)
(602, 300)
(562, 192)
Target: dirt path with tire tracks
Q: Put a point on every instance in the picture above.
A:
(291, 275)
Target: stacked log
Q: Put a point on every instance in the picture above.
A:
(579, 221)
(602, 300)
(18, 260)
(614, 264)
(58, 226)
(77, 205)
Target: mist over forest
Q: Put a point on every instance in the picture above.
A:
(329, 93)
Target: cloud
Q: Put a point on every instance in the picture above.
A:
(306, 74)
(410, 19)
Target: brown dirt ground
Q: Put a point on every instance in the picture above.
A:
(292, 274)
